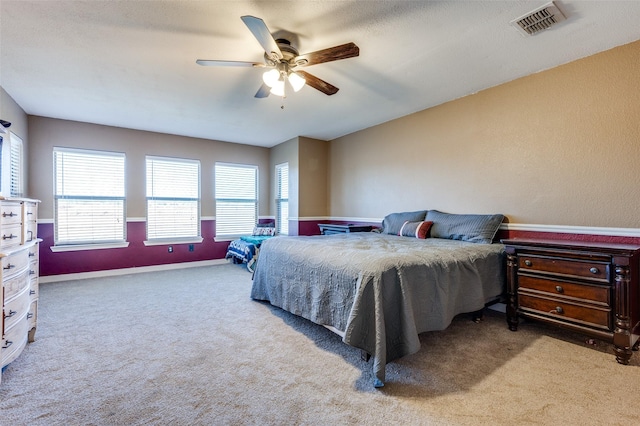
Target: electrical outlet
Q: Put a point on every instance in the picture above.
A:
(191, 247)
(170, 249)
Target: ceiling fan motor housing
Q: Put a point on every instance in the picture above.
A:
(289, 53)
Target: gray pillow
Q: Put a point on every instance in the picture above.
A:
(392, 223)
(475, 228)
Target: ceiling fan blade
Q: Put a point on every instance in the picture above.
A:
(318, 84)
(215, 63)
(344, 51)
(263, 91)
(263, 35)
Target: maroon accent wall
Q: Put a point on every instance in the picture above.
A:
(136, 255)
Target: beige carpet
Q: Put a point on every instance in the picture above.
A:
(190, 347)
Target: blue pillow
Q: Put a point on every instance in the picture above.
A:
(474, 228)
(392, 223)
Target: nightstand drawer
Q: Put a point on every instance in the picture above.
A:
(590, 293)
(562, 310)
(592, 271)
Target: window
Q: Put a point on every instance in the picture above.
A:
(282, 198)
(89, 196)
(236, 194)
(173, 198)
(16, 185)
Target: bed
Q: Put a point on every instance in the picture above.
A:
(379, 291)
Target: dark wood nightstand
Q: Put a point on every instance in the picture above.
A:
(592, 288)
(327, 228)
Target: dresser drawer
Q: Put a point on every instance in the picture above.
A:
(34, 253)
(32, 316)
(586, 270)
(14, 263)
(10, 213)
(31, 211)
(598, 294)
(11, 236)
(31, 231)
(15, 285)
(16, 308)
(598, 317)
(34, 288)
(15, 340)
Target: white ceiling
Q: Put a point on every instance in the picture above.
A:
(132, 63)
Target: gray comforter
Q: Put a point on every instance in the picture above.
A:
(380, 291)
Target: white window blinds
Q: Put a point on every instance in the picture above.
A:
(236, 194)
(173, 198)
(282, 198)
(89, 196)
(16, 185)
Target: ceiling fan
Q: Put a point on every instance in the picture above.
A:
(284, 62)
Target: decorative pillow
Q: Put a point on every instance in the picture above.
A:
(394, 221)
(475, 228)
(264, 231)
(415, 229)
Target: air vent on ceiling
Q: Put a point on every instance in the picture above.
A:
(539, 19)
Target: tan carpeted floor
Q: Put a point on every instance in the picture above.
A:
(189, 347)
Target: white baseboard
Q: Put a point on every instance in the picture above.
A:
(125, 271)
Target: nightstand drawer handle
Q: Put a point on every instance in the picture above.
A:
(29, 315)
(7, 344)
(10, 214)
(11, 313)
(9, 266)
(528, 262)
(557, 310)
(9, 237)
(559, 289)
(594, 270)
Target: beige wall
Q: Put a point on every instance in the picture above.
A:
(561, 147)
(313, 191)
(308, 168)
(45, 133)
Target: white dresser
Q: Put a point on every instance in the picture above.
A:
(19, 246)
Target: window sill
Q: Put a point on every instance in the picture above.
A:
(82, 247)
(173, 241)
(225, 238)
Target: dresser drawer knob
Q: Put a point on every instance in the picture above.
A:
(528, 262)
(9, 237)
(594, 270)
(10, 214)
(29, 315)
(32, 292)
(559, 289)
(557, 310)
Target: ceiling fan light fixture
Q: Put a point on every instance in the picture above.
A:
(297, 81)
(278, 88)
(271, 77)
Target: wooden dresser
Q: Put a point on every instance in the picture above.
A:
(591, 288)
(19, 246)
